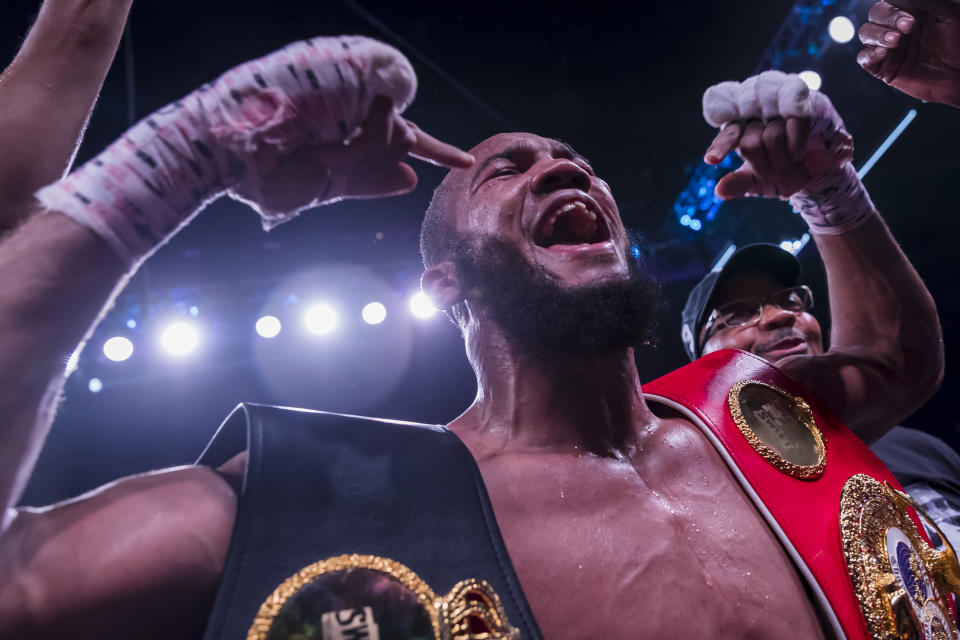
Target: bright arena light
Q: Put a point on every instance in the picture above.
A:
(95, 385)
(320, 319)
(268, 327)
(118, 348)
(374, 313)
(812, 78)
(179, 339)
(841, 29)
(421, 306)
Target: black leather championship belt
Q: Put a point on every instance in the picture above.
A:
(352, 528)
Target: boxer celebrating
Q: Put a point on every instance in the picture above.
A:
(620, 522)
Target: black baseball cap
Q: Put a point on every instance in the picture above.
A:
(762, 256)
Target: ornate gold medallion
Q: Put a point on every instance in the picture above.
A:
(780, 427)
(900, 580)
(353, 597)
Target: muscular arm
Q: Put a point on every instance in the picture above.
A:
(55, 277)
(48, 92)
(157, 543)
(886, 351)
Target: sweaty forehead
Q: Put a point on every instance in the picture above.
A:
(502, 141)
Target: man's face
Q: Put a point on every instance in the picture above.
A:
(541, 248)
(778, 333)
(542, 198)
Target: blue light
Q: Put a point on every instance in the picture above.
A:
(95, 385)
(702, 191)
(194, 311)
(685, 220)
(635, 251)
(131, 323)
(907, 119)
(695, 225)
(712, 212)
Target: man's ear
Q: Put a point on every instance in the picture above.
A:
(441, 285)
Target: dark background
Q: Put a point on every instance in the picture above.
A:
(622, 82)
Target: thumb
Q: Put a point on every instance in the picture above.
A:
(737, 184)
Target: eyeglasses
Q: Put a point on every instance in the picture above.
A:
(748, 311)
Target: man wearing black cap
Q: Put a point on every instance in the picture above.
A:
(756, 302)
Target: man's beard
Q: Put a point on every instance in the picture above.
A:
(544, 316)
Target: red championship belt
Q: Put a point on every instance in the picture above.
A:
(838, 511)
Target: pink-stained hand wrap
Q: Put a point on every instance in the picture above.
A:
(142, 188)
(834, 199)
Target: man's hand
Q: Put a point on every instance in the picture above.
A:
(370, 166)
(915, 47)
(315, 122)
(786, 134)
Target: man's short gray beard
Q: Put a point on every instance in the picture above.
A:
(543, 316)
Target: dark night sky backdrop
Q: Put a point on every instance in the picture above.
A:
(620, 82)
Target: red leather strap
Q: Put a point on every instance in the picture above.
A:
(805, 513)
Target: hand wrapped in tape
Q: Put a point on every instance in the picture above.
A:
(314, 122)
(794, 146)
(785, 133)
(319, 121)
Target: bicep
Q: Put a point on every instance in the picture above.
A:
(102, 563)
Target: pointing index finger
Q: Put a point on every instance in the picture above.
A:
(725, 142)
(434, 151)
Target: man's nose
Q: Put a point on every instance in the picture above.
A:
(560, 173)
(773, 316)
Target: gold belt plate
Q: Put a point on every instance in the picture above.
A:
(900, 580)
(780, 427)
(359, 597)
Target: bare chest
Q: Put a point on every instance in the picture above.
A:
(667, 546)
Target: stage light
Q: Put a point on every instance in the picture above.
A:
(194, 311)
(131, 323)
(118, 348)
(179, 339)
(268, 327)
(320, 319)
(841, 29)
(95, 385)
(421, 306)
(374, 313)
(812, 78)
(786, 245)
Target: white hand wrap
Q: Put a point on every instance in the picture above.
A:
(834, 199)
(142, 188)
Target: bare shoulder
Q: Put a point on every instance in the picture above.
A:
(101, 563)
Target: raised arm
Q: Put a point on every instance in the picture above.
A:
(260, 133)
(48, 92)
(886, 353)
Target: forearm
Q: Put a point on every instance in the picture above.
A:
(882, 314)
(57, 278)
(48, 92)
